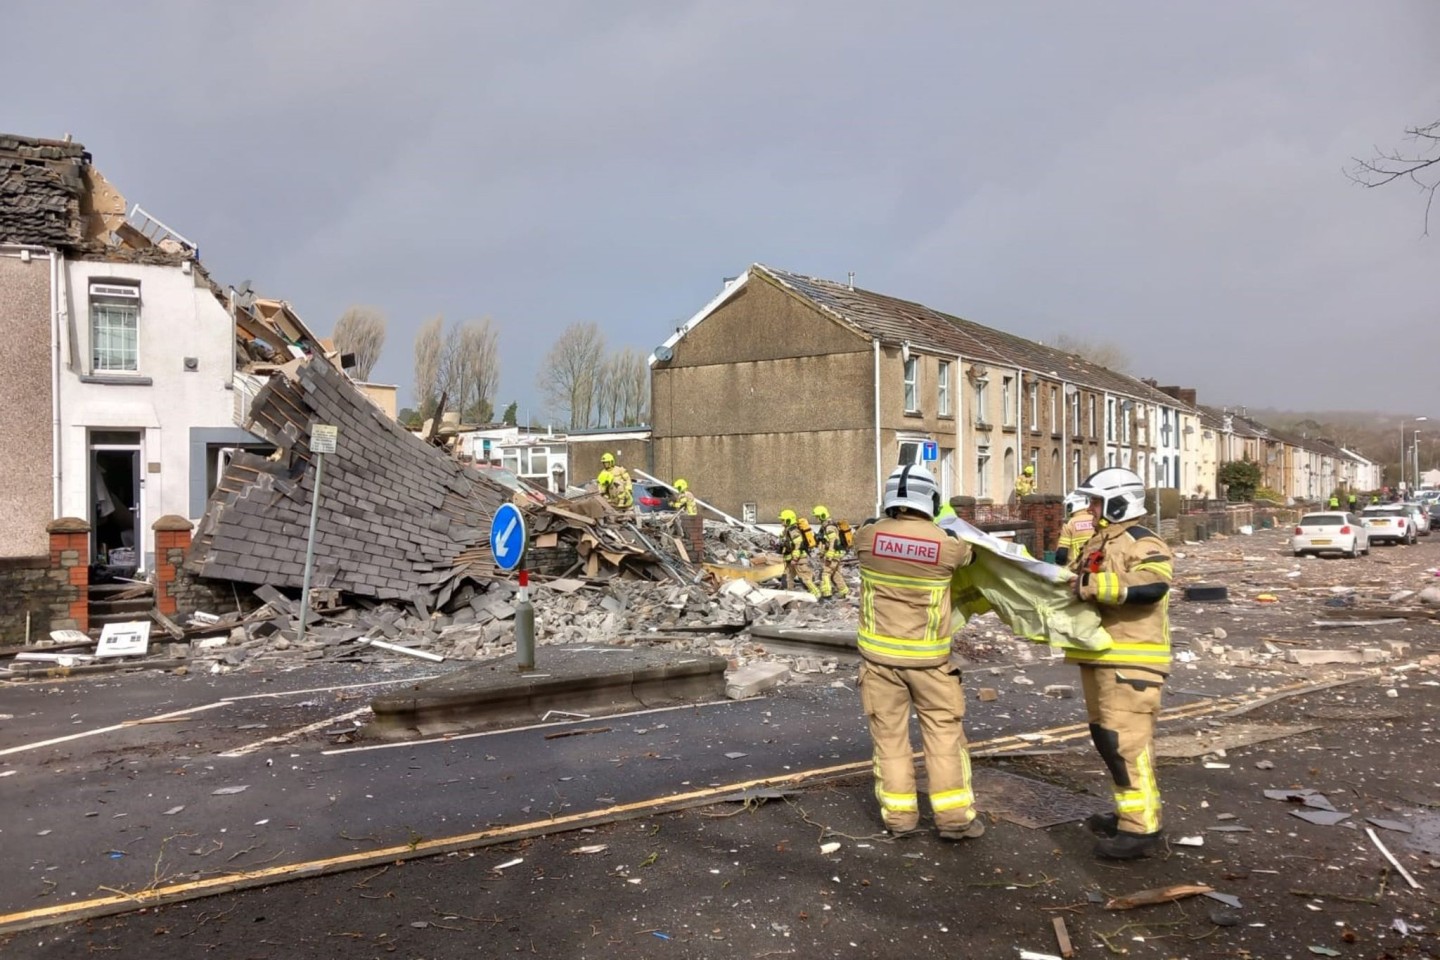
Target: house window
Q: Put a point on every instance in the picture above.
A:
(539, 461)
(982, 471)
(1075, 414)
(1075, 476)
(1054, 409)
(1034, 406)
(510, 460)
(1094, 419)
(1110, 421)
(981, 387)
(114, 328)
(1007, 400)
(912, 375)
(909, 453)
(943, 383)
(1125, 423)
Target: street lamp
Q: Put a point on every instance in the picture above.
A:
(1402, 450)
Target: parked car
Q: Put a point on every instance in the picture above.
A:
(1330, 532)
(1434, 513)
(650, 497)
(1390, 522)
(1422, 517)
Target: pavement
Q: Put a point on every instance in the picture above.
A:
(93, 827)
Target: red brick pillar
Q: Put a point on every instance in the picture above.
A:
(70, 564)
(1047, 512)
(964, 508)
(693, 534)
(172, 542)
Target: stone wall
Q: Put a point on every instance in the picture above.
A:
(29, 590)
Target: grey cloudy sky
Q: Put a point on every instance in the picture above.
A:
(1163, 175)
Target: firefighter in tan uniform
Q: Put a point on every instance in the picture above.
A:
(1078, 529)
(615, 483)
(1126, 570)
(684, 501)
(906, 563)
(833, 547)
(796, 542)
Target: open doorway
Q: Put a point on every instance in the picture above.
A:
(114, 485)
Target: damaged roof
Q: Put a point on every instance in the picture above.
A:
(396, 514)
(41, 186)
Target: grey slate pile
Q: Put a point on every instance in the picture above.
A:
(40, 191)
(396, 514)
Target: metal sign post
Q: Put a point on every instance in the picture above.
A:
(323, 438)
(507, 544)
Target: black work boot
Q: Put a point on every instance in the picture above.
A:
(1103, 824)
(1128, 846)
(975, 828)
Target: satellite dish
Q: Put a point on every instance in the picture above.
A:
(663, 353)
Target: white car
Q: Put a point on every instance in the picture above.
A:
(1390, 521)
(1330, 532)
(1421, 514)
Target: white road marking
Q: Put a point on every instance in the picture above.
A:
(533, 726)
(297, 732)
(110, 729)
(348, 686)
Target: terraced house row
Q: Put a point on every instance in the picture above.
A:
(786, 389)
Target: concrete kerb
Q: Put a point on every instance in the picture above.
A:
(593, 681)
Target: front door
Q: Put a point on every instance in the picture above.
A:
(114, 487)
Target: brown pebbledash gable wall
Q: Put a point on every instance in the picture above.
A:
(27, 467)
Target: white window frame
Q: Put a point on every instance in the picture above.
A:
(1033, 396)
(1094, 417)
(942, 386)
(982, 387)
(1110, 421)
(118, 299)
(1075, 414)
(982, 470)
(912, 385)
(1055, 425)
(1008, 405)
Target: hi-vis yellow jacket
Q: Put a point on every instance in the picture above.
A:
(905, 568)
(1130, 570)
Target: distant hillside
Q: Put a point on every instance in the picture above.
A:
(1375, 435)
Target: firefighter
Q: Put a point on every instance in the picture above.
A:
(615, 483)
(1334, 502)
(1126, 571)
(906, 563)
(834, 539)
(1079, 528)
(796, 543)
(1025, 483)
(1353, 502)
(684, 500)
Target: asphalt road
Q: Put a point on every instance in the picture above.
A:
(257, 771)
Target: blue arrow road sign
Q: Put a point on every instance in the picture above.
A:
(930, 450)
(507, 537)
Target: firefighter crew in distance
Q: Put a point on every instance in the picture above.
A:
(1079, 528)
(1126, 570)
(615, 483)
(835, 542)
(797, 540)
(684, 501)
(906, 564)
(1025, 483)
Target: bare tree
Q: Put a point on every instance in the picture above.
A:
(470, 369)
(1102, 353)
(1419, 163)
(633, 372)
(608, 389)
(429, 356)
(571, 372)
(360, 331)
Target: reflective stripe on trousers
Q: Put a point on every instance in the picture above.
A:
(888, 695)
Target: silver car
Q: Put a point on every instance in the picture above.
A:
(1330, 532)
(1421, 514)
